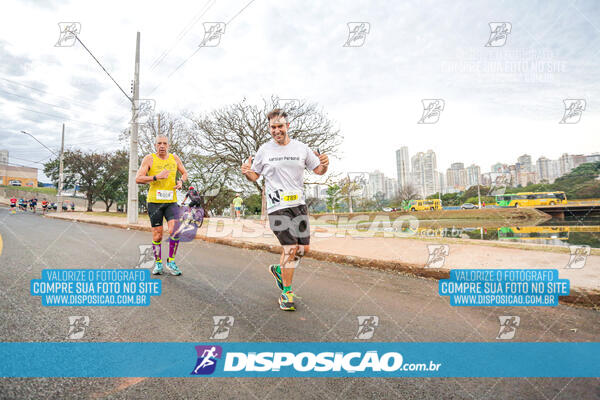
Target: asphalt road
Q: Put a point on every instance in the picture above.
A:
(220, 280)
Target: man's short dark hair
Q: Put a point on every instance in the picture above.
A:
(276, 113)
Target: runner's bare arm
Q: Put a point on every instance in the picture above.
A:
(142, 174)
(247, 170)
(180, 168)
(322, 168)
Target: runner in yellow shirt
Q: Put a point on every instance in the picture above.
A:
(159, 170)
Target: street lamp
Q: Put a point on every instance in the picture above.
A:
(48, 148)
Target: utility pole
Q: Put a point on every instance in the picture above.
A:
(60, 170)
(478, 192)
(132, 202)
(349, 195)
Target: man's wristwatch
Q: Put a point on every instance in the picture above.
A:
(154, 178)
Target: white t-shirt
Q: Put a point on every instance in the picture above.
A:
(283, 169)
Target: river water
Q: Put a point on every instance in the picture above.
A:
(552, 232)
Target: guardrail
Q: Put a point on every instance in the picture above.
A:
(584, 202)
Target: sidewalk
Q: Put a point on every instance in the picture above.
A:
(408, 255)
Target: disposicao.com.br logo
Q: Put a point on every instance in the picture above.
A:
(308, 363)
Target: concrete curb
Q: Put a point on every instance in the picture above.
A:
(579, 297)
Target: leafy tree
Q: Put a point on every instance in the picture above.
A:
(209, 177)
(408, 192)
(174, 127)
(114, 179)
(90, 168)
(333, 197)
(577, 184)
(222, 200)
(235, 132)
(253, 203)
(589, 190)
(51, 169)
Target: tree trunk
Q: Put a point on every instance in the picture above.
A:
(89, 201)
(263, 206)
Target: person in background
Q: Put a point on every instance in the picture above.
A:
(13, 205)
(237, 204)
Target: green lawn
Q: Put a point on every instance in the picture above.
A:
(45, 190)
(114, 214)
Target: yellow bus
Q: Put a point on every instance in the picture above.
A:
(531, 199)
(422, 205)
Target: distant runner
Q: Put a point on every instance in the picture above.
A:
(13, 205)
(282, 162)
(159, 170)
(237, 205)
(44, 206)
(194, 196)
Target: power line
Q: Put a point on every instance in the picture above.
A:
(175, 70)
(67, 119)
(52, 105)
(20, 165)
(198, 49)
(35, 162)
(239, 12)
(181, 35)
(38, 101)
(84, 103)
(104, 69)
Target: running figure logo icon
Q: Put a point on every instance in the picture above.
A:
(499, 32)
(578, 257)
(437, 255)
(289, 105)
(573, 110)
(499, 185)
(357, 34)
(189, 219)
(366, 326)
(207, 359)
(68, 33)
(143, 111)
(146, 256)
(77, 326)
(432, 109)
(212, 34)
(222, 326)
(508, 327)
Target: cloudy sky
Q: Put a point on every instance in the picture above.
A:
(499, 101)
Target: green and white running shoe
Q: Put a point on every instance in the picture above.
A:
(276, 271)
(158, 268)
(286, 301)
(173, 267)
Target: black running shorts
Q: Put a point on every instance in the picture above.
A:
(290, 225)
(156, 212)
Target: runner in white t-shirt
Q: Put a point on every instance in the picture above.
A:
(282, 162)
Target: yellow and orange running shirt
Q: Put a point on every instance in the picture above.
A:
(163, 190)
